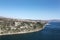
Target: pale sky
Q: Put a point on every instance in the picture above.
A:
(30, 9)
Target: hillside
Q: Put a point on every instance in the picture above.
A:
(11, 26)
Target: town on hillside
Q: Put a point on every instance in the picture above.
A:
(9, 25)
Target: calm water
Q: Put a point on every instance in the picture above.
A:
(51, 32)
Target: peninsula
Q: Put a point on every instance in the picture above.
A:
(9, 26)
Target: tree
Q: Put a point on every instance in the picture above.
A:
(39, 24)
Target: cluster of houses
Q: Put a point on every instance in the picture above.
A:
(10, 25)
(15, 24)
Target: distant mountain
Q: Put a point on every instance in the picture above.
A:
(28, 20)
(54, 20)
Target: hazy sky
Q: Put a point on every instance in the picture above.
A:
(30, 9)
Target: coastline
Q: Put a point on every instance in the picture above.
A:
(13, 23)
(36, 30)
(22, 32)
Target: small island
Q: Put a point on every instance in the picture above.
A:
(10, 26)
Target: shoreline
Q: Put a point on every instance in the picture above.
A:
(36, 30)
(22, 32)
(16, 23)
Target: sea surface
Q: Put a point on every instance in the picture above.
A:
(50, 32)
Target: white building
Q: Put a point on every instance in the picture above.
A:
(17, 23)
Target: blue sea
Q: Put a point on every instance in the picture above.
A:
(50, 32)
